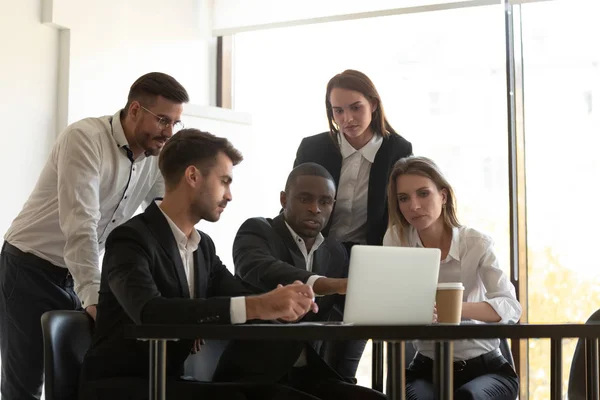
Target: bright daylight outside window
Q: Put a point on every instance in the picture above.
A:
(443, 88)
(561, 46)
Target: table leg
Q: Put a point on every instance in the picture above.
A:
(377, 366)
(592, 369)
(556, 369)
(158, 369)
(396, 354)
(443, 370)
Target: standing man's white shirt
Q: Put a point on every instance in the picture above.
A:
(349, 219)
(89, 185)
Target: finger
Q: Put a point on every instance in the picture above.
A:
(315, 307)
(307, 291)
(280, 285)
(298, 283)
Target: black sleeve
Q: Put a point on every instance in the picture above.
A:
(254, 261)
(128, 266)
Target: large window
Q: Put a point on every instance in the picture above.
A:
(442, 79)
(561, 55)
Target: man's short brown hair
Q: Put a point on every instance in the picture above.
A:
(148, 87)
(193, 147)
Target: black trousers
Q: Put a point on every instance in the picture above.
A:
(126, 388)
(310, 380)
(485, 377)
(29, 286)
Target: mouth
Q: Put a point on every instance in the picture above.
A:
(418, 217)
(351, 127)
(312, 224)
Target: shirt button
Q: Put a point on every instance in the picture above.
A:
(113, 220)
(125, 197)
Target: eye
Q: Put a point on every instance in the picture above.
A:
(356, 107)
(338, 111)
(326, 202)
(424, 193)
(402, 199)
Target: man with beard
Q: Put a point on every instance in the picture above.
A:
(158, 269)
(99, 172)
(288, 248)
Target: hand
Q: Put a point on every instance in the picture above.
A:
(197, 346)
(288, 303)
(435, 318)
(91, 310)
(326, 286)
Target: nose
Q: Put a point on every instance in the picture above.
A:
(314, 208)
(415, 204)
(167, 131)
(227, 196)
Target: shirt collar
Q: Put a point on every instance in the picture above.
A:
(368, 151)
(190, 243)
(415, 241)
(318, 241)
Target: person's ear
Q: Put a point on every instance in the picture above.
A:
(283, 199)
(193, 176)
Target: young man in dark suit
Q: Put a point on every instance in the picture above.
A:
(289, 248)
(159, 269)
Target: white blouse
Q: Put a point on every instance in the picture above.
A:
(472, 261)
(349, 219)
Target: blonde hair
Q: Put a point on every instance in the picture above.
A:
(425, 167)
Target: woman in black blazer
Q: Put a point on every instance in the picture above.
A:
(358, 151)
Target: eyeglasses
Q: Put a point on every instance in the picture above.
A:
(165, 122)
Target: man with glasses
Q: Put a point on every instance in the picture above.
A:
(280, 251)
(99, 172)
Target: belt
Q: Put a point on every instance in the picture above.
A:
(476, 362)
(55, 271)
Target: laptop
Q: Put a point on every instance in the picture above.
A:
(391, 285)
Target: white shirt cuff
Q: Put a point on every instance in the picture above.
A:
(311, 281)
(237, 310)
(89, 295)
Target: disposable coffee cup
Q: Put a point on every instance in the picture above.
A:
(448, 300)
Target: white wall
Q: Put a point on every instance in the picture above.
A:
(28, 84)
(113, 42)
(97, 48)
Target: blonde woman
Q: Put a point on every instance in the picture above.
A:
(422, 213)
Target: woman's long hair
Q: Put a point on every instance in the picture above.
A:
(357, 81)
(422, 166)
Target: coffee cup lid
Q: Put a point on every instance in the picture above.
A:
(450, 286)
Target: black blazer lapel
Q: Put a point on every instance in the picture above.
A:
(296, 256)
(161, 229)
(201, 274)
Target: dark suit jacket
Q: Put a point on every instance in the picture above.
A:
(324, 150)
(266, 255)
(144, 282)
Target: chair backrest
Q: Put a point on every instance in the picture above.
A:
(67, 337)
(577, 375)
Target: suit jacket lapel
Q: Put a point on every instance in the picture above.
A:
(201, 274)
(161, 229)
(321, 259)
(297, 259)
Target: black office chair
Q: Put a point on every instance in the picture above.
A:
(67, 336)
(577, 375)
